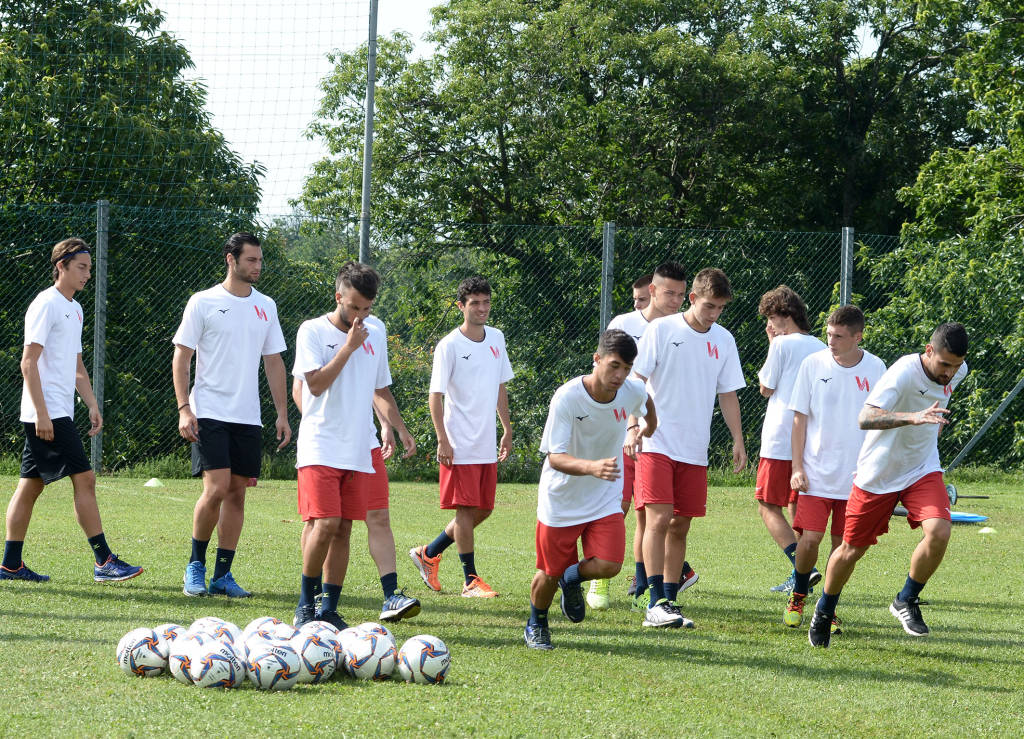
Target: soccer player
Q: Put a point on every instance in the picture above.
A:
(642, 291)
(52, 369)
(341, 361)
(228, 328)
(899, 463)
(470, 370)
(578, 496)
(830, 390)
(666, 291)
(687, 361)
(789, 343)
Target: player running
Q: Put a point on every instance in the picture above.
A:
(687, 361)
(579, 497)
(467, 384)
(228, 328)
(830, 391)
(789, 343)
(52, 369)
(899, 463)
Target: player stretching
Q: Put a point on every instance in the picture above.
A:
(687, 360)
(52, 368)
(899, 463)
(579, 496)
(228, 328)
(830, 390)
(789, 343)
(470, 370)
(666, 292)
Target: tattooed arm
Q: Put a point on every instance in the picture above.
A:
(872, 417)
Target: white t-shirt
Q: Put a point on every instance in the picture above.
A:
(374, 321)
(893, 459)
(55, 323)
(632, 323)
(686, 371)
(831, 396)
(469, 374)
(333, 430)
(785, 355)
(229, 335)
(580, 426)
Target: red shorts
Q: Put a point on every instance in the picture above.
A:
(867, 515)
(327, 492)
(812, 512)
(375, 486)
(628, 475)
(772, 486)
(662, 480)
(604, 538)
(470, 485)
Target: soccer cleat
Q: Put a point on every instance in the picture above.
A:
(22, 573)
(837, 625)
(688, 580)
(793, 616)
(399, 606)
(908, 613)
(427, 566)
(662, 615)
(786, 586)
(114, 570)
(574, 607)
(641, 603)
(685, 623)
(815, 577)
(195, 579)
(598, 595)
(477, 588)
(537, 636)
(226, 585)
(631, 591)
(304, 613)
(821, 629)
(332, 617)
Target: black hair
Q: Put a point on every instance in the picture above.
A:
(475, 285)
(642, 282)
(848, 315)
(362, 277)
(237, 241)
(950, 337)
(614, 341)
(671, 271)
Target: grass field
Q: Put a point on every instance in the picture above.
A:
(739, 673)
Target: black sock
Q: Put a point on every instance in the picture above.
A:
(671, 590)
(438, 545)
(199, 551)
(308, 589)
(223, 564)
(790, 553)
(100, 550)
(468, 566)
(656, 584)
(12, 554)
(538, 616)
(911, 589)
(389, 583)
(332, 594)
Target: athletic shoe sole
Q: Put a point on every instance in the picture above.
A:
(814, 579)
(119, 579)
(200, 594)
(413, 609)
(687, 583)
(894, 612)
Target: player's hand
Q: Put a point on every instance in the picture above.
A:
(44, 428)
(445, 453)
(770, 330)
(606, 469)
(408, 443)
(96, 421)
(634, 443)
(188, 426)
(505, 446)
(932, 414)
(284, 432)
(357, 334)
(387, 441)
(798, 481)
(739, 458)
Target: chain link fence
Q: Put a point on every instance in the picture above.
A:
(547, 299)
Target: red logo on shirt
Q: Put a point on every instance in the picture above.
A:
(948, 390)
(863, 384)
(260, 313)
(495, 352)
(79, 316)
(713, 350)
(620, 414)
(368, 348)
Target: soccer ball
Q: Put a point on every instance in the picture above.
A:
(424, 659)
(370, 656)
(179, 657)
(317, 627)
(167, 633)
(282, 631)
(345, 638)
(206, 624)
(227, 632)
(371, 627)
(259, 625)
(273, 666)
(318, 655)
(140, 653)
(216, 665)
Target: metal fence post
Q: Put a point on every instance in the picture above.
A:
(371, 81)
(607, 271)
(846, 268)
(99, 337)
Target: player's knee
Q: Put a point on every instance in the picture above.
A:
(482, 515)
(84, 483)
(379, 519)
(939, 532)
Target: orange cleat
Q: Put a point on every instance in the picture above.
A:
(428, 566)
(477, 588)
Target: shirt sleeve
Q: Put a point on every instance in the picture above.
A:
(771, 372)
(38, 323)
(506, 365)
(640, 407)
(646, 357)
(800, 398)
(888, 390)
(616, 322)
(191, 328)
(308, 352)
(383, 367)
(274, 342)
(441, 371)
(731, 376)
(558, 428)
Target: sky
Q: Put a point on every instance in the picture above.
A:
(262, 62)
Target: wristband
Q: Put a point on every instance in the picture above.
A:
(183, 406)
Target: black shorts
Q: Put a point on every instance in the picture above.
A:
(52, 460)
(226, 445)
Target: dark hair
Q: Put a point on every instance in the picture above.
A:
(360, 276)
(475, 285)
(712, 283)
(848, 315)
(65, 251)
(237, 241)
(614, 341)
(950, 337)
(670, 271)
(642, 282)
(784, 301)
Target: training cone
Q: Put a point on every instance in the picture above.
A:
(986, 530)
(153, 482)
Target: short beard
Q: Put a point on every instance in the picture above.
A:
(244, 278)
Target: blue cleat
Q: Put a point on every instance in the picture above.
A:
(195, 579)
(399, 606)
(537, 636)
(574, 607)
(303, 614)
(332, 617)
(114, 570)
(226, 585)
(22, 573)
(786, 586)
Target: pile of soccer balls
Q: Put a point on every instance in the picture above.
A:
(213, 653)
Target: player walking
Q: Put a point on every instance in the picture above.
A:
(899, 463)
(578, 496)
(467, 384)
(52, 369)
(228, 328)
(830, 391)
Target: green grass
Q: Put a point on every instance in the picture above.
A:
(739, 673)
